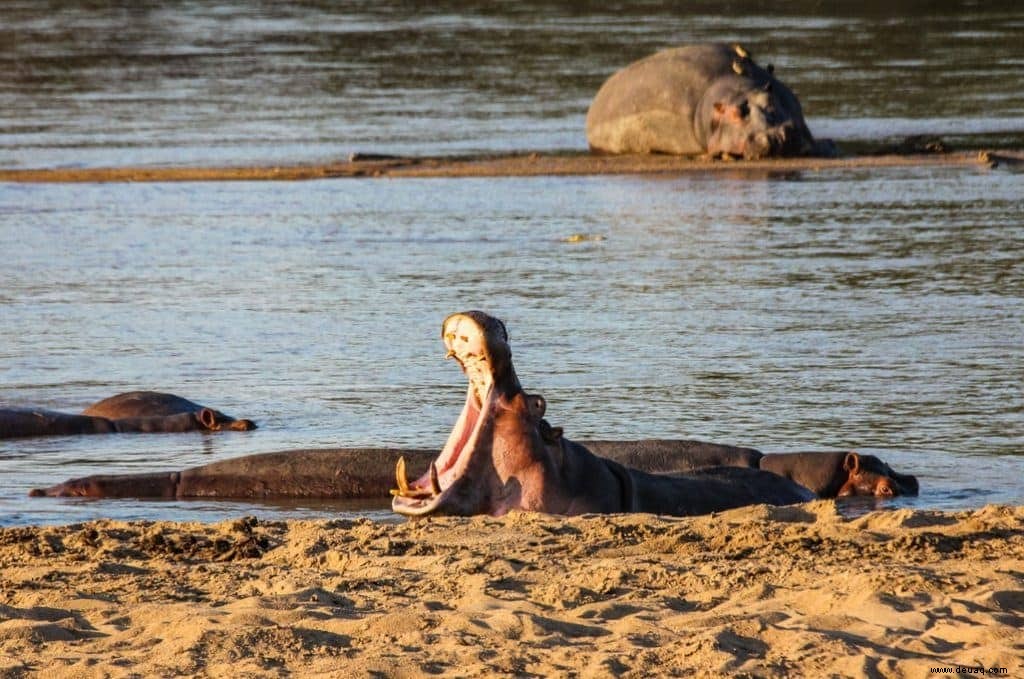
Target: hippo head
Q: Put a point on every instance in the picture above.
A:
(868, 475)
(495, 459)
(747, 118)
(215, 420)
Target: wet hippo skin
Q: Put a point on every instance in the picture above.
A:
(700, 99)
(348, 473)
(145, 412)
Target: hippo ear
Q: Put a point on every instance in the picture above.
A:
(208, 419)
(771, 69)
(538, 406)
(549, 433)
(852, 462)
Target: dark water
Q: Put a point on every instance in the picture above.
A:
(145, 82)
(881, 310)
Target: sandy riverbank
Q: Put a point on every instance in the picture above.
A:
(510, 165)
(795, 591)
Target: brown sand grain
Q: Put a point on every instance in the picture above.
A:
(759, 591)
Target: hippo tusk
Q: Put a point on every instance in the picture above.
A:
(400, 478)
(435, 485)
(404, 490)
(737, 67)
(740, 52)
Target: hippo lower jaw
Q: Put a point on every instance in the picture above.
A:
(431, 492)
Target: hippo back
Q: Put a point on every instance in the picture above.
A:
(673, 455)
(665, 102)
(18, 422)
(649, 106)
(141, 404)
(707, 490)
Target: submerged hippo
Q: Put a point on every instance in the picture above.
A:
(828, 474)
(355, 473)
(137, 411)
(368, 473)
(503, 455)
(840, 474)
(699, 99)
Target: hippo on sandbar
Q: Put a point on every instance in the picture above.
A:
(502, 454)
(700, 99)
(135, 412)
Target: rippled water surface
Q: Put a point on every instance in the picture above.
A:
(881, 310)
(159, 82)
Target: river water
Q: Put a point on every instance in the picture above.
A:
(881, 310)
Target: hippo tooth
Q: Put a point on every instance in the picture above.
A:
(435, 485)
(737, 67)
(400, 478)
(742, 53)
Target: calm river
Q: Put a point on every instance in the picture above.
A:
(881, 310)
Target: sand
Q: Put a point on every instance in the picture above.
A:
(514, 165)
(759, 591)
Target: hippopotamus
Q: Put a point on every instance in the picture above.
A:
(137, 412)
(829, 474)
(700, 99)
(832, 474)
(356, 473)
(368, 473)
(502, 455)
(352, 473)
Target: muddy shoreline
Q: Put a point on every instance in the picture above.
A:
(508, 165)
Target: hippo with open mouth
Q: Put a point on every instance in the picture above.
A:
(700, 99)
(135, 412)
(503, 455)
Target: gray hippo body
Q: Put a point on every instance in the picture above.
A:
(352, 473)
(25, 422)
(134, 412)
(700, 99)
(502, 455)
(839, 474)
(368, 473)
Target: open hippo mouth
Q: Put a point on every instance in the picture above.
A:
(479, 343)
